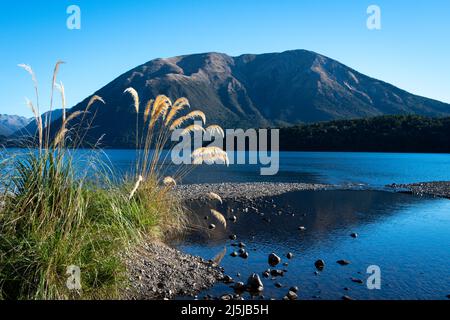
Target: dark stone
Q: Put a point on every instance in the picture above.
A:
(293, 289)
(346, 298)
(241, 251)
(227, 279)
(276, 273)
(233, 237)
(233, 218)
(301, 228)
(278, 285)
(226, 297)
(292, 295)
(354, 235)
(290, 255)
(254, 283)
(244, 255)
(274, 259)
(234, 254)
(320, 264)
(343, 262)
(212, 226)
(239, 286)
(357, 280)
(266, 273)
(241, 245)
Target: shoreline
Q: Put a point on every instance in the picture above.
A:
(439, 189)
(243, 190)
(159, 271)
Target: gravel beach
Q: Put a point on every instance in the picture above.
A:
(240, 191)
(437, 189)
(157, 271)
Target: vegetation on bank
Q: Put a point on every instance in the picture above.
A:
(404, 133)
(53, 217)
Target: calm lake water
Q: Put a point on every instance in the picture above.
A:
(408, 237)
(343, 168)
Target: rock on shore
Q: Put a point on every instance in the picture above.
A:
(250, 190)
(437, 188)
(157, 271)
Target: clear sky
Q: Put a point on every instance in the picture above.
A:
(412, 50)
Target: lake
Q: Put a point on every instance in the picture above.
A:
(343, 168)
(408, 237)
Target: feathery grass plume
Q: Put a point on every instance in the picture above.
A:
(160, 107)
(218, 258)
(196, 114)
(48, 117)
(38, 120)
(136, 186)
(73, 116)
(192, 128)
(169, 182)
(135, 97)
(178, 122)
(179, 105)
(60, 137)
(147, 110)
(93, 99)
(214, 196)
(61, 90)
(36, 112)
(209, 155)
(28, 69)
(217, 215)
(192, 115)
(215, 128)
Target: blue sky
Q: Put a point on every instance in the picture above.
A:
(412, 50)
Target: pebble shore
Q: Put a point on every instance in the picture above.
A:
(240, 191)
(436, 189)
(157, 271)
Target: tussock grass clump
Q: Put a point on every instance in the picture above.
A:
(52, 216)
(52, 219)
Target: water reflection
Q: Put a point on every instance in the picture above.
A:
(405, 235)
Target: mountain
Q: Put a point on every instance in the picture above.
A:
(273, 89)
(10, 124)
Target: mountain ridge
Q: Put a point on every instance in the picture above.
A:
(9, 124)
(256, 90)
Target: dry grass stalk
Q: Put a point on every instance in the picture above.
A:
(215, 128)
(192, 128)
(169, 182)
(217, 215)
(136, 186)
(135, 97)
(214, 196)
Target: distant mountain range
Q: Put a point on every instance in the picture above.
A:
(10, 124)
(273, 89)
